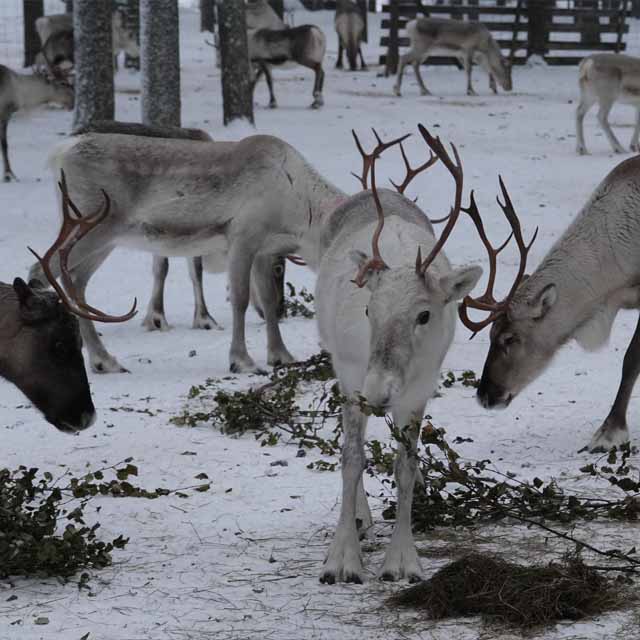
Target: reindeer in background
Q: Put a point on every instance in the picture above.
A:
(22, 91)
(350, 29)
(469, 41)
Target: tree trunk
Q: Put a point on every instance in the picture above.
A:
(237, 94)
(208, 15)
(160, 62)
(31, 11)
(278, 7)
(93, 61)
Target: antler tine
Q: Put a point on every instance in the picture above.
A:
(523, 248)
(72, 230)
(369, 158)
(455, 168)
(411, 172)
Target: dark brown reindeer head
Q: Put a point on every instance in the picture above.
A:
(39, 332)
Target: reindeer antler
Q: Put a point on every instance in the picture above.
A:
(376, 263)
(368, 159)
(411, 172)
(487, 301)
(74, 229)
(455, 169)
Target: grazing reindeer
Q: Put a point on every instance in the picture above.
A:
(387, 337)
(469, 41)
(606, 78)
(350, 29)
(18, 92)
(155, 318)
(40, 345)
(305, 45)
(588, 275)
(256, 198)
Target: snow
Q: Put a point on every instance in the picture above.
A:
(242, 560)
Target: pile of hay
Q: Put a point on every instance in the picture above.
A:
(506, 593)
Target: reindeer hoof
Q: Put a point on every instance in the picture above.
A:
(155, 321)
(206, 322)
(273, 104)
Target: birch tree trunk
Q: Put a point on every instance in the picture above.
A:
(93, 61)
(237, 94)
(160, 62)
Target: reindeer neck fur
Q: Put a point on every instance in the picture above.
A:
(595, 265)
(31, 91)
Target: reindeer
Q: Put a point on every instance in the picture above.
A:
(350, 29)
(253, 199)
(469, 41)
(305, 45)
(40, 345)
(606, 78)
(56, 36)
(387, 336)
(155, 318)
(18, 91)
(587, 276)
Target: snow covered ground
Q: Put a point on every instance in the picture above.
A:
(242, 560)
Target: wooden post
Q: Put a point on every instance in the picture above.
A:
(589, 22)
(539, 17)
(31, 11)
(362, 5)
(393, 50)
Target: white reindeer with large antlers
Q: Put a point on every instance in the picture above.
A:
(388, 334)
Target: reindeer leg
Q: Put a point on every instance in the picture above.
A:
(343, 561)
(8, 174)
(339, 64)
(100, 360)
(603, 119)
(586, 102)
(277, 352)
(241, 257)
(401, 559)
(155, 318)
(201, 317)
(318, 100)
(423, 87)
(363, 64)
(364, 521)
(634, 146)
(614, 430)
(404, 61)
(272, 96)
(467, 61)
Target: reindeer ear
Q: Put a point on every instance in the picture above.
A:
(23, 291)
(458, 283)
(539, 306)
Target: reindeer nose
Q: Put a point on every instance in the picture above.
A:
(87, 419)
(491, 395)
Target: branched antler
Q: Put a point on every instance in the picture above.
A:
(411, 172)
(455, 169)
(74, 229)
(375, 263)
(487, 301)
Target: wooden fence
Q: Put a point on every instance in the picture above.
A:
(561, 31)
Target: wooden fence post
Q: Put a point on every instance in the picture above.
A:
(31, 11)
(393, 48)
(539, 17)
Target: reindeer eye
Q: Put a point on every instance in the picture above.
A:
(278, 270)
(366, 311)
(423, 317)
(509, 340)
